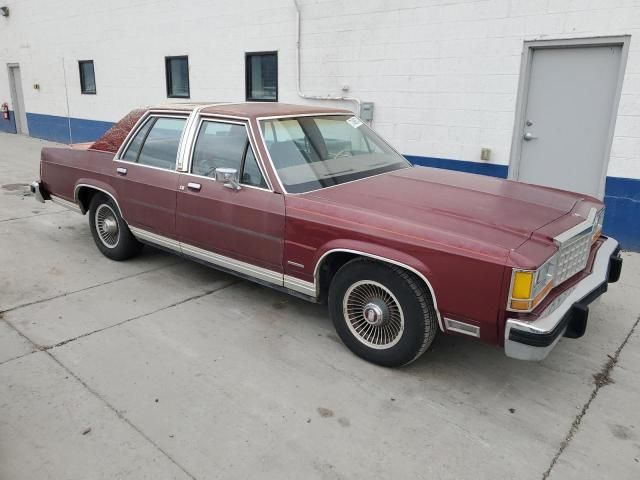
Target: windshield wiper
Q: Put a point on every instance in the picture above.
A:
(331, 174)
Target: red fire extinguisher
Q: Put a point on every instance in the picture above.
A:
(5, 111)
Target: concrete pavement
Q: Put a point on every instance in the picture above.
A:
(162, 368)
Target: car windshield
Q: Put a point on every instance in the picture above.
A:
(310, 153)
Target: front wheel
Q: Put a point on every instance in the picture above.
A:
(110, 232)
(383, 313)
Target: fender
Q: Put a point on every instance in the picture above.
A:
(377, 252)
(95, 185)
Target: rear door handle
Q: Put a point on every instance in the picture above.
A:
(194, 186)
(121, 170)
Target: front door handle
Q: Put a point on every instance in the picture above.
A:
(121, 170)
(529, 136)
(194, 186)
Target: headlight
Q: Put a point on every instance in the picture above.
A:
(530, 287)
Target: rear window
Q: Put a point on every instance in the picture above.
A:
(156, 143)
(116, 135)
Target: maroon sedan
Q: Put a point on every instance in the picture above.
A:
(312, 202)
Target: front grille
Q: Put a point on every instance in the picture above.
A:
(573, 255)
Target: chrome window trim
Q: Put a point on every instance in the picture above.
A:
(192, 146)
(323, 114)
(316, 272)
(125, 162)
(141, 122)
(80, 185)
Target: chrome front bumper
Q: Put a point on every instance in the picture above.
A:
(567, 314)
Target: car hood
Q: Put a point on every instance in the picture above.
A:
(467, 208)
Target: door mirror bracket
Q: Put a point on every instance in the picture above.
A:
(229, 177)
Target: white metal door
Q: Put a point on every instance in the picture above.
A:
(17, 99)
(568, 114)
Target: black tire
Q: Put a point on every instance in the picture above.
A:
(363, 281)
(120, 244)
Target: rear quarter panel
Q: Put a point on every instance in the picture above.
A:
(63, 168)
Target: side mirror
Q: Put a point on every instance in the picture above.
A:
(229, 177)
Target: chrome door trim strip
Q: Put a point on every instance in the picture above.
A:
(232, 264)
(244, 268)
(66, 204)
(316, 273)
(155, 238)
(301, 286)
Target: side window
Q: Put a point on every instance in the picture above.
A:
(156, 144)
(225, 145)
(251, 174)
(218, 145)
(133, 150)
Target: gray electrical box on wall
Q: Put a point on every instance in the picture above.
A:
(366, 111)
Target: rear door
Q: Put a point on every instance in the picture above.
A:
(239, 229)
(148, 179)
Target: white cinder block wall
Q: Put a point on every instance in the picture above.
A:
(443, 73)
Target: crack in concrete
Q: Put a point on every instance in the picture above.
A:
(46, 350)
(32, 216)
(122, 417)
(133, 275)
(180, 302)
(600, 379)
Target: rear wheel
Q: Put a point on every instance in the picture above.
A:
(110, 232)
(383, 313)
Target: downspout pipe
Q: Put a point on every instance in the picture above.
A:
(301, 94)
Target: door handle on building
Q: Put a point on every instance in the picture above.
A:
(529, 136)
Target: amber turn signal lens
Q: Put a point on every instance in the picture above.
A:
(520, 304)
(522, 284)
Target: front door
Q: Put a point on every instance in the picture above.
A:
(566, 129)
(147, 180)
(17, 99)
(241, 229)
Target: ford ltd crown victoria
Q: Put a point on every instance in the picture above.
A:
(311, 201)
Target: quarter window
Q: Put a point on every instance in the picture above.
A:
(262, 76)
(225, 145)
(156, 143)
(177, 72)
(87, 77)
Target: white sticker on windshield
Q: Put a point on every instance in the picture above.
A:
(354, 122)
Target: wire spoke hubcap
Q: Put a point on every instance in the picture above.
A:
(373, 314)
(107, 226)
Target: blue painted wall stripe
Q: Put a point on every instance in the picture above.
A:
(56, 128)
(621, 197)
(8, 125)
